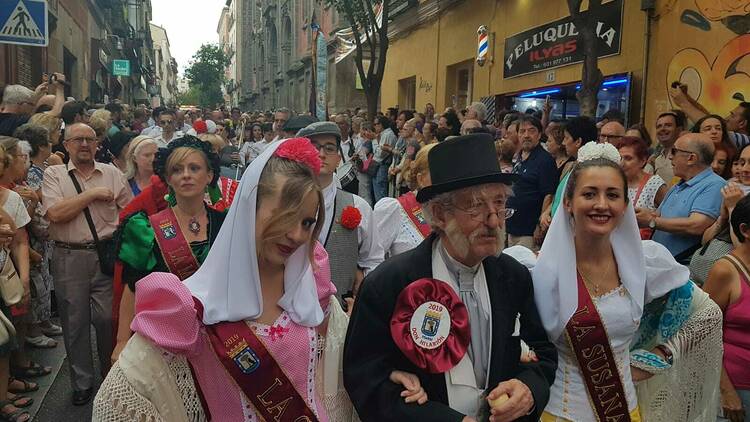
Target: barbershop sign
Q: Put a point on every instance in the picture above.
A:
(558, 44)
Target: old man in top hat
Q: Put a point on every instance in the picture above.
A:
(446, 310)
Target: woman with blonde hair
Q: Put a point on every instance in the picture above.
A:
(140, 161)
(238, 339)
(52, 123)
(188, 167)
(14, 213)
(400, 221)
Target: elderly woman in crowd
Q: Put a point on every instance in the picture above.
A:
(140, 163)
(41, 248)
(13, 218)
(645, 190)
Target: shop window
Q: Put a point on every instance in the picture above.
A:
(614, 95)
(407, 93)
(459, 79)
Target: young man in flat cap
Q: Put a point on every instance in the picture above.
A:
(349, 232)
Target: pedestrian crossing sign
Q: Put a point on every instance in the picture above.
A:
(24, 22)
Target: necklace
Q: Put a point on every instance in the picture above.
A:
(591, 284)
(193, 225)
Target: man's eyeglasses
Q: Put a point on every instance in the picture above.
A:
(81, 139)
(482, 212)
(329, 149)
(165, 122)
(610, 138)
(675, 150)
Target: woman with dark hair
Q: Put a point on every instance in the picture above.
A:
(721, 164)
(577, 132)
(450, 120)
(40, 252)
(622, 312)
(555, 132)
(176, 239)
(428, 132)
(716, 128)
(644, 190)
(728, 284)
(638, 130)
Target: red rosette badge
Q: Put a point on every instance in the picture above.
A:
(430, 325)
(350, 217)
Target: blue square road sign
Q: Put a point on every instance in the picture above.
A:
(24, 22)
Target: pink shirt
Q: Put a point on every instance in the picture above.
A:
(737, 338)
(57, 187)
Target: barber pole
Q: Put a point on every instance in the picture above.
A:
(483, 45)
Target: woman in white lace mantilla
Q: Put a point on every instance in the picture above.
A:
(660, 333)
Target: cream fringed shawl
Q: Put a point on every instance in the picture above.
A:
(690, 325)
(150, 385)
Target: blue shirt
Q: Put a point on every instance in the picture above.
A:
(538, 179)
(700, 194)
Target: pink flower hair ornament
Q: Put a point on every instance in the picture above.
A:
(302, 151)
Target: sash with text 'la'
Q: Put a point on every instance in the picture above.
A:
(174, 248)
(589, 340)
(257, 373)
(414, 211)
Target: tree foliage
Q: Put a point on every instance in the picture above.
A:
(205, 73)
(371, 38)
(190, 97)
(591, 76)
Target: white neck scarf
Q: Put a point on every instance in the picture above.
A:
(555, 278)
(228, 282)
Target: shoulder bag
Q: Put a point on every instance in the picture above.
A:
(11, 288)
(105, 249)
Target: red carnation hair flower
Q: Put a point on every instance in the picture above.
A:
(351, 217)
(200, 127)
(301, 151)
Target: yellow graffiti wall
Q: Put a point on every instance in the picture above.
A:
(704, 44)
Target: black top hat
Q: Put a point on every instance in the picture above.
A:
(462, 162)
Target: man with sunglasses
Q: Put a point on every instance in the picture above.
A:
(166, 122)
(353, 251)
(690, 206)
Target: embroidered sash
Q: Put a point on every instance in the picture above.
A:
(174, 248)
(588, 339)
(258, 374)
(414, 211)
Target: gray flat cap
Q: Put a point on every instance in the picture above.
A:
(320, 128)
(295, 123)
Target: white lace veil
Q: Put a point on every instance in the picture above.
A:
(228, 282)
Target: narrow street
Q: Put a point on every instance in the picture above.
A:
(53, 399)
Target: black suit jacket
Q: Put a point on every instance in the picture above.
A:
(370, 354)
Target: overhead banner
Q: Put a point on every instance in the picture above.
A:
(557, 43)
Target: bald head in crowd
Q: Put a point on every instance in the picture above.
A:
(611, 132)
(468, 125)
(692, 154)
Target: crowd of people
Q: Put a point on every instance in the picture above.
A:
(238, 266)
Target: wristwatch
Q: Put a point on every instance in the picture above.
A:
(652, 223)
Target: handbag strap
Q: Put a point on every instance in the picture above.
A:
(86, 211)
(739, 265)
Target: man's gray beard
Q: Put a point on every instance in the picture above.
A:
(461, 243)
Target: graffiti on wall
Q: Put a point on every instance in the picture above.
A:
(712, 77)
